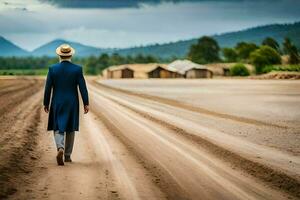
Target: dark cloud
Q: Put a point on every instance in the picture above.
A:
(116, 3)
(124, 23)
(22, 9)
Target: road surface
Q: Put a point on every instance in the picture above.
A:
(142, 145)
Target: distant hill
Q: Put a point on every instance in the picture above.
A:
(256, 35)
(80, 49)
(8, 48)
(174, 49)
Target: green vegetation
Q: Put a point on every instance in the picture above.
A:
(28, 72)
(230, 54)
(205, 51)
(255, 35)
(290, 49)
(264, 56)
(268, 41)
(244, 50)
(26, 62)
(92, 65)
(240, 53)
(95, 65)
(239, 70)
(289, 68)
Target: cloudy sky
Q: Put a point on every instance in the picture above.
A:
(127, 23)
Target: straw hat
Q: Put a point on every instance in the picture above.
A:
(65, 50)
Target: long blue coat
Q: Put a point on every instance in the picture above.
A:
(63, 79)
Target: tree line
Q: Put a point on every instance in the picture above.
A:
(92, 65)
(207, 50)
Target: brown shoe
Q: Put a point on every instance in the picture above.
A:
(68, 159)
(60, 156)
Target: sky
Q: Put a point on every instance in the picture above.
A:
(128, 23)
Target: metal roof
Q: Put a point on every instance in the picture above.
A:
(181, 66)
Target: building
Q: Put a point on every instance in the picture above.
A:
(176, 69)
(139, 71)
(127, 73)
(198, 73)
(189, 69)
(118, 72)
(162, 72)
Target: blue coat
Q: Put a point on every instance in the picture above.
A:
(63, 79)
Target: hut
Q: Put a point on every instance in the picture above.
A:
(188, 69)
(119, 72)
(162, 72)
(127, 73)
(198, 73)
(139, 71)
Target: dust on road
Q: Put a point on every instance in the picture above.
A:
(142, 145)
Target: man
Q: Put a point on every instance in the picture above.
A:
(63, 79)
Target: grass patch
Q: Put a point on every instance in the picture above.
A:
(22, 72)
(288, 68)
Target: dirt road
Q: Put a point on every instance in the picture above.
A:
(137, 145)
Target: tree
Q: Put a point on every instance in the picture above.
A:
(239, 70)
(287, 44)
(263, 57)
(244, 49)
(116, 59)
(91, 66)
(290, 49)
(150, 59)
(205, 51)
(103, 62)
(268, 41)
(139, 58)
(230, 54)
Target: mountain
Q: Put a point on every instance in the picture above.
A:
(174, 49)
(80, 49)
(8, 48)
(256, 35)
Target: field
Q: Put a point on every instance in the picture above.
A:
(157, 139)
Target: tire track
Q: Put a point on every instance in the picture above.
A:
(189, 107)
(213, 176)
(256, 152)
(127, 175)
(272, 177)
(161, 178)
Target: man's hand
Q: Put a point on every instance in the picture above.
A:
(86, 109)
(46, 109)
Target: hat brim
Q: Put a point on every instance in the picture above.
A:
(71, 53)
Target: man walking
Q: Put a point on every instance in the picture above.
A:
(63, 79)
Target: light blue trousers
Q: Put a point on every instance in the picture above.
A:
(65, 141)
